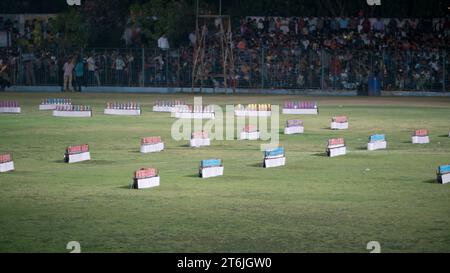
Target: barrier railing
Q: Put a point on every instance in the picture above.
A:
(285, 68)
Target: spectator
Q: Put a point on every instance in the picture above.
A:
(119, 66)
(4, 77)
(192, 39)
(163, 43)
(79, 75)
(92, 74)
(68, 74)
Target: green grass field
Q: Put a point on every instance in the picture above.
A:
(313, 204)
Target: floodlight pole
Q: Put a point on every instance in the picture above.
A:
(196, 15)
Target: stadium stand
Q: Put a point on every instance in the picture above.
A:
(271, 52)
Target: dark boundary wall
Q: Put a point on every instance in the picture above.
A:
(172, 90)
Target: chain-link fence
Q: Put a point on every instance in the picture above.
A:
(289, 68)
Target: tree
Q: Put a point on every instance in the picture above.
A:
(105, 19)
(174, 18)
(72, 29)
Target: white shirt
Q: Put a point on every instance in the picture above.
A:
(91, 64)
(163, 43)
(192, 38)
(120, 64)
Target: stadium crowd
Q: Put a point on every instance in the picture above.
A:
(328, 53)
(342, 52)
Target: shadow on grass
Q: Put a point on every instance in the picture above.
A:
(430, 181)
(60, 161)
(257, 165)
(192, 176)
(362, 148)
(97, 162)
(320, 154)
(446, 136)
(126, 187)
(135, 151)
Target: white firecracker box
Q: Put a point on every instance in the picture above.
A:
(246, 113)
(73, 158)
(378, 145)
(288, 111)
(198, 142)
(249, 136)
(444, 178)
(76, 114)
(336, 151)
(211, 172)
(163, 109)
(6, 167)
(293, 130)
(146, 183)
(339, 125)
(420, 139)
(123, 112)
(48, 106)
(151, 148)
(274, 162)
(12, 110)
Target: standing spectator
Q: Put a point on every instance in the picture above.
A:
(378, 25)
(29, 60)
(68, 74)
(163, 43)
(192, 39)
(130, 69)
(120, 66)
(91, 69)
(343, 23)
(4, 77)
(79, 74)
(366, 26)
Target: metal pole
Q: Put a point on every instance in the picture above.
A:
(106, 57)
(196, 16)
(143, 68)
(167, 68)
(443, 72)
(322, 69)
(263, 67)
(334, 72)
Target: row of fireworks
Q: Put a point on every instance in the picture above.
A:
(253, 107)
(173, 103)
(300, 105)
(123, 106)
(9, 103)
(169, 103)
(70, 107)
(153, 172)
(58, 101)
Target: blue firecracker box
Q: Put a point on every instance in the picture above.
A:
(211, 163)
(274, 152)
(377, 137)
(444, 169)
